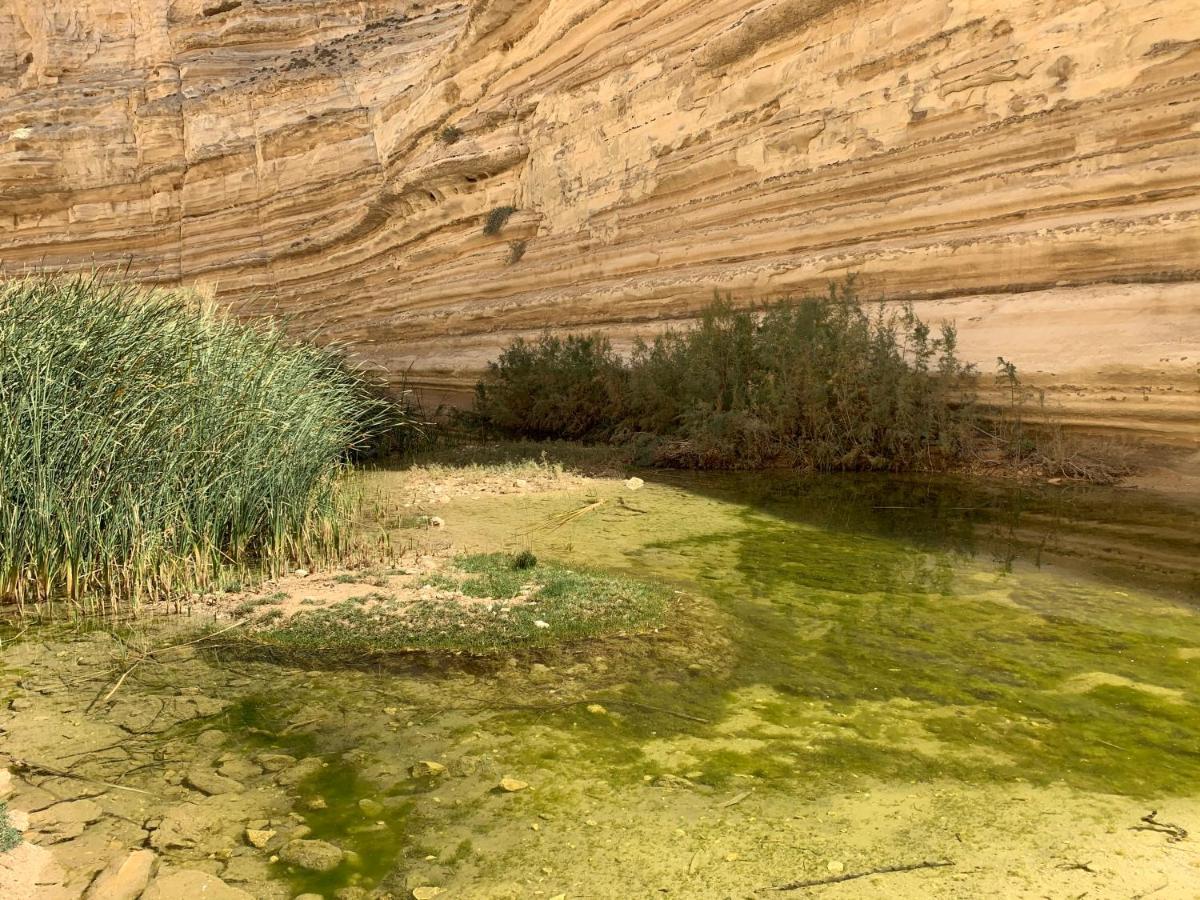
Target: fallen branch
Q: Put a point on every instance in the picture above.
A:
(25, 767)
(658, 709)
(150, 654)
(850, 876)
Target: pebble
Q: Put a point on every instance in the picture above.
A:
(512, 785)
(259, 837)
(317, 856)
(371, 808)
(425, 768)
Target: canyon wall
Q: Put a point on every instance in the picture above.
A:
(1028, 168)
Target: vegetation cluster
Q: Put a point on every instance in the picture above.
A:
(483, 603)
(148, 444)
(817, 383)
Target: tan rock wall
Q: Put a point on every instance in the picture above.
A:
(1030, 168)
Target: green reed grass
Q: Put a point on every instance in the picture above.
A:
(148, 445)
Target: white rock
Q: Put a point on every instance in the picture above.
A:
(538, 623)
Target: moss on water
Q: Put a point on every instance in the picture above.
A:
(895, 657)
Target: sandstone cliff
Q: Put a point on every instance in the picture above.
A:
(1030, 168)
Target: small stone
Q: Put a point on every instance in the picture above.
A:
(437, 521)
(634, 483)
(427, 768)
(512, 785)
(836, 866)
(596, 709)
(316, 856)
(211, 783)
(427, 892)
(672, 781)
(370, 808)
(19, 704)
(301, 573)
(309, 897)
(538, 623)
(259, 838)
(317, 802)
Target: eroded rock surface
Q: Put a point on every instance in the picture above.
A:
(1028, 169)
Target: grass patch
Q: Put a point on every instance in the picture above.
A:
(451, 134)
(9, 836)
(151, 445)
(508, 607)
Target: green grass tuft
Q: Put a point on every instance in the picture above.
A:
(150, 445)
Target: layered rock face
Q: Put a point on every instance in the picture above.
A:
(1028, 168)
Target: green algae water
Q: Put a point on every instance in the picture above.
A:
(856, 673)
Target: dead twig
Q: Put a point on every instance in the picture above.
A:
(851, 876)
(1078, 866)
(1174, 833)
(736, 799)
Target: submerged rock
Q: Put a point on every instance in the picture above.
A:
(371, 808)
(190, 883)
(426, 768)
(512, 785)
(125, 878)
(237, 768)
(275, 762)
(306, 768)
(211, 783)
(317, 856)
(259, 837)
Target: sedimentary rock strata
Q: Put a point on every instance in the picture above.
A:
(1028, 168)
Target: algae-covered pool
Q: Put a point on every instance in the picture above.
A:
(858, 674)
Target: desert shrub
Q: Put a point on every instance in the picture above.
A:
(817, 382)
(568, 387)
(9, 836)
(148, 444)
(450, 134)
(497, 218)
(516, 250)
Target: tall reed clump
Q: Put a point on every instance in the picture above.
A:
(149, 445)
(817, 382)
